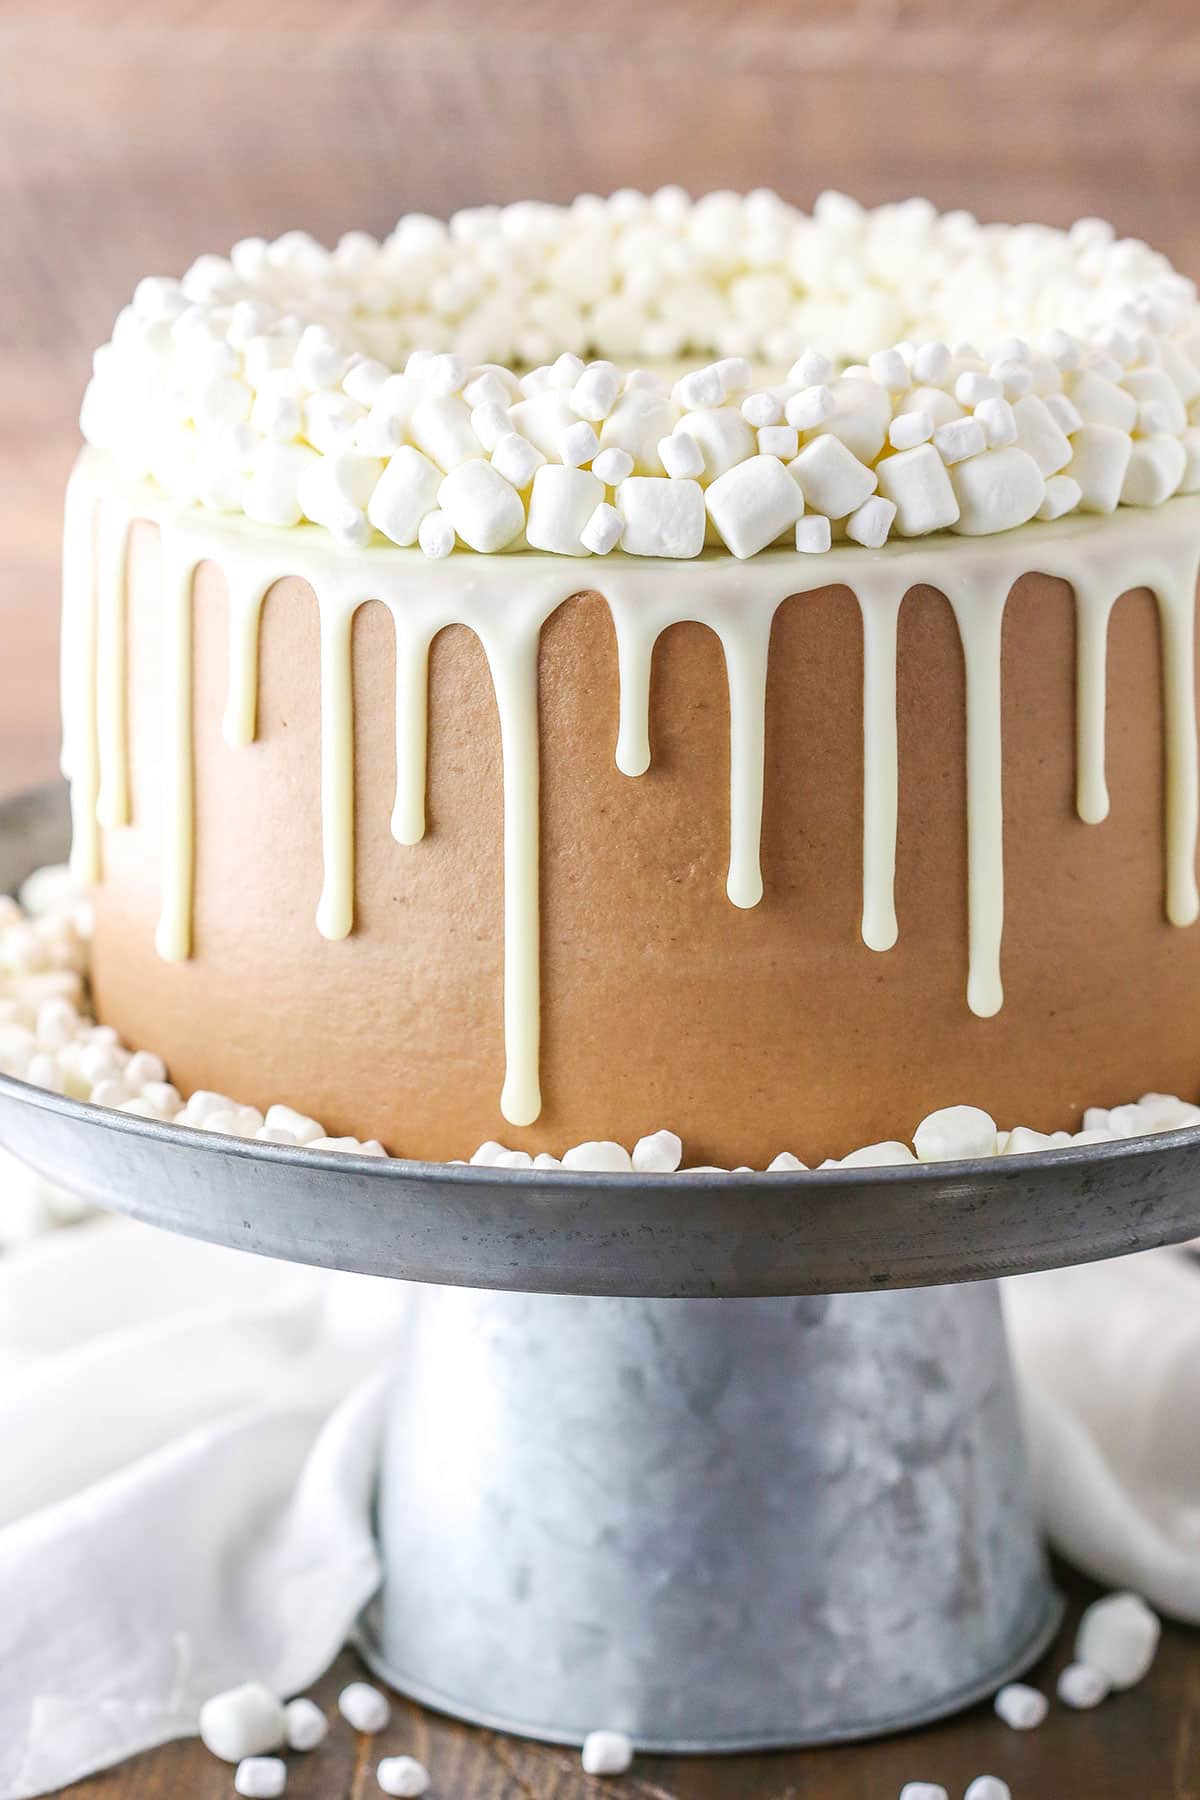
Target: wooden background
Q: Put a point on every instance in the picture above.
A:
(135, 134)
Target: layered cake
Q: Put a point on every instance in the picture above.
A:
(571, 669)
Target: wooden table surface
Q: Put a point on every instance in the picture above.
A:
(134, 136)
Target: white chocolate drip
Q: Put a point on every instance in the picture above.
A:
(506, 602)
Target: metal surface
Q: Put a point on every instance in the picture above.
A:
(831, 1231)
(713, 1526)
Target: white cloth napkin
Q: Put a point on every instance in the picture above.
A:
(189, 1436)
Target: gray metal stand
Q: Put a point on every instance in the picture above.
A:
(716, 1525)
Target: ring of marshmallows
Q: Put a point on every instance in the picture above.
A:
(48, 1037)
(376, 389)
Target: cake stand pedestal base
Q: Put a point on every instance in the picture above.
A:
(713, 1524)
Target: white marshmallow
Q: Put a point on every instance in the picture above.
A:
(1021, 1707)
(919, 486)
(811, 369)
(436, 535)
(972, 388)
(612, 466)
(1156, 468)
(595, 392)
(702, 387)
(1118, 1635)
(491, 424)
(402, 1775)
(831, 478)
(778, 440)
(998, 421)
(243, 1721)
(606, 1753)
(1040, 435)
(877, 1156)
(441, 427)
(723, 437)
(996, 491)
(1062, 496)
(870, 523)
(404, 494)
(1063, 411)
(602, 532)
(988, 1787)
(364, 1708)
(304, 1724)
(561, 502)
(335, 491)
(1154, 387)
(940, 406)
(785, 1163)
(1099, 459)
(889, 369)
(960, 439)
(753, 503)
(923, 1790)
(636, 424)
(658, 1154)
(762, 410)
(862, 412)
(662, 517)
(261, 1777)
(814, 534)
(907, 430)
(809, 408)
(516, 459)
(954, 1132)
(1081, 1687)
(488, 389)
(931, 363)
(1102, 402)
(577, 444)
(270, 494)
(681, 455)
(600, 1155)
(485, 511)
(445, 374)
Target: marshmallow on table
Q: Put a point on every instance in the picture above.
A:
(1081, 1687)
(988, 1787)
(1118, 1635)
(304, 1724)
(244, 1721)
(561, 502)
(918, 485)
(402, 1775)
(753, 503)
(364, 1708)
(606, 1753)
(923, 1790)
(661, 517)
(260, 1777)
(1021, 1707)
(831, 478)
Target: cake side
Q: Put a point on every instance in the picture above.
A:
(746, 1026)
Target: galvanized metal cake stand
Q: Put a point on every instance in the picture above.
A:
(725, 1461)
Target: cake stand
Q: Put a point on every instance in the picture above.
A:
(724, 1461)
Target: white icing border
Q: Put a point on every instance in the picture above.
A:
(266, 382)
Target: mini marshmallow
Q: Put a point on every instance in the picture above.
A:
(778, 440)
(811, 369)
(1118, 1635)
(988, 1787)
(723, 437)
(810, 407)
(996, 491)
(941, 407)
(270, 494)
(658, 1154)
(364, 1708)
(762, 410)
(1101, 402)
(612, 466)
(606, 1753)
(491, 424)
(814, 535)
(998, 421)
(960, 439)
(889, 369)
(971, 388)
(260, 1777)
(831, 478)
(1062, 496)
(304, 1724)
(931, 363)
(753, 503)
(484, 509)
(445, 374)
(1155, 469)
(636, 424)
(300, 1127)
(919, 486)
(1099, 459)
(662, 517)
(601, 1155)
(561, 502)
(681, 455)
(954, 1132)
(1064, 413)
(876, 1156)
(907, 430)
(871, 522)
(1021, 1707)
(785, 1163)
(402, 1775)
(436, 535)
(440, 427)
(1081, 1687)
(516, 459)
(923, 1790)
(1154, 387)
(703, 387)
(602, 532)
(595, 392)
(577, 444)
(404, 494)
(244, 1721)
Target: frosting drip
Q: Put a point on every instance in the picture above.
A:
(505, 602)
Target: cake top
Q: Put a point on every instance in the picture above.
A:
(758, 377)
